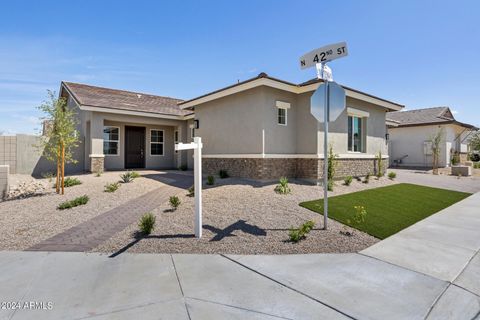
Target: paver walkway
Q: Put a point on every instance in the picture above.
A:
(93, 232)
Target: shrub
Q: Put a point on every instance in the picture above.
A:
(191, 191)
(127, 177)
(475, 157)
(392, 175)
(348, 180)
(332, 163)
(210, 180)
(380, 172)
(112, 187)
(183, 167)
(48, 175)
(330, 185)
(223, 174)
(135, 174)
(367, 178)
(297, 234)
(359, 216)
(70, 182)
(476, 165)
(73, 203)
(282, 187)
(98, 173)
(147, 223)
(174, 202)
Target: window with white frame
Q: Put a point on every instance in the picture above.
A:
(356, 134)
(192, 131)
(111, 141)
(282, 108)
(156, 142)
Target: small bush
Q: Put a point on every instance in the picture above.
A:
(135, 174)
(210, 180)
(367, 178)
(223, 174)
(348, 180)
(112, 187)
(330, 185)
(282, 187)
(98, 173)
(476, 165)
(48, 175)
(297, 234)
(147, 223)
(73, 203)
(392, 175)
(359, 216)
(70, 182)
(475, 157)
(191, 191)
(126, 177)
(183, 167)
(174, 202)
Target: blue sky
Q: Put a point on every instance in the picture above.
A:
(417, 53)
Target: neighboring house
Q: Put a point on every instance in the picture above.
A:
(260, 128)
(410, 134)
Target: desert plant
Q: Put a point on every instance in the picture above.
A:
(223, 174)
(210, 180)
(330, 185)
(174, 202)
(98, 173)
(297, 234)
(112, 187)
(282, 187)
(48, 175)
(135, 174)
(73, 203)
(70, 182)
(191, 191)
(367, 178)
(62, 136)
(348, 180)
(455, 158)
(332, 163)
(147, 223)
(392, 175)
(380, 168)
(436, 141)
(359, 216)
(126, 177)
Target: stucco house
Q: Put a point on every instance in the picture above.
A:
(260, 128)
(410, 134)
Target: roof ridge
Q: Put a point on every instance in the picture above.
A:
(120, 90)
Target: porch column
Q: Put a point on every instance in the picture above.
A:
(96, 144)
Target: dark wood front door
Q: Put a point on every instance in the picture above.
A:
(134, 147)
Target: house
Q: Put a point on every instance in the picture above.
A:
(260, 128)
(410, 133)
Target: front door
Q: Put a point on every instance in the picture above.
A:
(134, 147)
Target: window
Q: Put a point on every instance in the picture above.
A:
(156, 142)
(111, 138)
(192, 132)
(282, 116)
(356, 134)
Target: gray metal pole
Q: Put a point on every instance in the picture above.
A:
(325, 152)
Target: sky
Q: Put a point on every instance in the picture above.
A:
(417, 53)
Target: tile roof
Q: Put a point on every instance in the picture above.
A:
(437, 115)
(124, 100)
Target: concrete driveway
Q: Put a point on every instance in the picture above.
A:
(463, 184)
(427, 271)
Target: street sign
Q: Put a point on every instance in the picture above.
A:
(196, 145)
(323, 55)
(336, 100)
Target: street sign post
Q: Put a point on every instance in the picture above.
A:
(196, 145)
(327, 102)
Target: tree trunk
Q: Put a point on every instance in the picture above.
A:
(57, 184)
(63, 168)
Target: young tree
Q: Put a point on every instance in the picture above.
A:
(436, 141)
(61, 138)
(475, 142)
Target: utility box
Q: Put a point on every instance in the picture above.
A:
(465, 171)
(4, 186)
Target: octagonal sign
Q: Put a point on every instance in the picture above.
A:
(337, 97)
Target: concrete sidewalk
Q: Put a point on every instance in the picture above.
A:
(428, 271)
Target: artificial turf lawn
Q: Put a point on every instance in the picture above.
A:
(389, 209)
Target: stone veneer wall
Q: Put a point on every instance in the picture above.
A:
(97, 164)
(274, 168)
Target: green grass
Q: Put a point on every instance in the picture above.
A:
(389, 209)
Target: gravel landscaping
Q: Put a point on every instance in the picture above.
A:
(245, 217)
(27, 221)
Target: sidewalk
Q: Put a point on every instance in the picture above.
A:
(427, 271)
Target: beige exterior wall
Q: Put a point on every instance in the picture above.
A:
(410, 141)
(236, 125)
